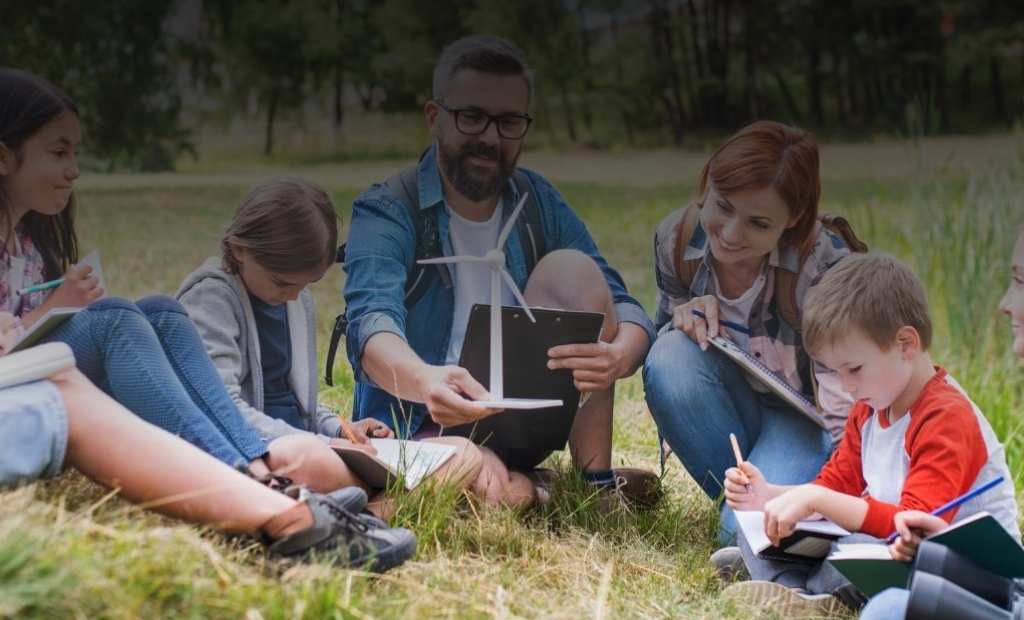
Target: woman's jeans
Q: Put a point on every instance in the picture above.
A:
(698, 397)
(149, 357)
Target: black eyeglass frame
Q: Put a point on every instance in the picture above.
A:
(491, 118)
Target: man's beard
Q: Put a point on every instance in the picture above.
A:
(473, 182)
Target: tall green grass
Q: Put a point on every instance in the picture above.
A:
(67, 550)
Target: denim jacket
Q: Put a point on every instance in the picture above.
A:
(380, 255)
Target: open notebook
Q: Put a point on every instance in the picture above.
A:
(978, 537)
(35, 363)
(811, 540)
(395, 458)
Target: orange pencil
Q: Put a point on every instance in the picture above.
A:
(739, 456)
(348, 432)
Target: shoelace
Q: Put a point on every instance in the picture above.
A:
(344, 515)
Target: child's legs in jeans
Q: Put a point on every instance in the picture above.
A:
(109, 444)
(818, 578)
(116, 348)
(888, 604)
(186, 352)
(787, 448)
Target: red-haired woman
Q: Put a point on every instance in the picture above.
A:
(743, 256)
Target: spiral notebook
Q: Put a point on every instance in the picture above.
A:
(770, 380)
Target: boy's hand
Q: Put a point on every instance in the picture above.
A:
(912, 525)
(80, 288)
(783, 513)
(745, 487)
(370, 427)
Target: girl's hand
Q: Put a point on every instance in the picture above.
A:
(370, 427)
(80, 288)
(698, 329)
(8, 331)
(783, 513)
(745, 487)
(912, 525)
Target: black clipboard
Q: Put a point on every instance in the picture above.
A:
(526, 374)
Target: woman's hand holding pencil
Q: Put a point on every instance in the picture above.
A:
(745, 485)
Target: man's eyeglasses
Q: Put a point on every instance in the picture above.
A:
(473, 122)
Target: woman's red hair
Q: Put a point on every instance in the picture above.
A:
(769, 154)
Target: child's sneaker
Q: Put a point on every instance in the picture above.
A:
(357, 543)
(779, 600)
(728, 563)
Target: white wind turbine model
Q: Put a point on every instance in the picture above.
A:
(495, 259)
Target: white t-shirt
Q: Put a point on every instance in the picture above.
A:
(472, 281)
(738, 311)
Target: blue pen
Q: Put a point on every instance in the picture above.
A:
(743, 329)
(45, 286)
(950, 505)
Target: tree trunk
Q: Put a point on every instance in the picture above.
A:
(750, 66)
(588, 73)
(814, 96)
(621, 96)
(965, 87)
(996, 76)
(268, 142)
(339, 110)
(570, 120)
(787, 96)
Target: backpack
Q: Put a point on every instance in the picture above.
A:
(428, 244)
(785, 280)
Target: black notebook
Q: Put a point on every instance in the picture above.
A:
(526, 374)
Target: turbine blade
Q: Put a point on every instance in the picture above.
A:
(452, 259)
(507, 230)
(519, 296)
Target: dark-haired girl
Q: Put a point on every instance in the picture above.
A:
(146, 355)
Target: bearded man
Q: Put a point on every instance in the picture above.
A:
(407, 323)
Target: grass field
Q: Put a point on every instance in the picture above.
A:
(70, 549)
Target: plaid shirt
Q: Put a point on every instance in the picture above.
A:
(34, 274)
(773, 341)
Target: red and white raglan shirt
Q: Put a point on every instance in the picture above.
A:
(942, 448)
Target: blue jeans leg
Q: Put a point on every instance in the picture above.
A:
(698, 397)
(185, 351)
(888, 604)
(116, 348)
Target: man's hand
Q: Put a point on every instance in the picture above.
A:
(783, 513)
(912, 525)
(595, 367)
(445, 390)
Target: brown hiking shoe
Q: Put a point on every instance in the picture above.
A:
(638, 486)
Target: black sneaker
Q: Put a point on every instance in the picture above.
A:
(357, 544)
(353, 499)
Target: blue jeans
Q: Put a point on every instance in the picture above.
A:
(698, 397)
(888, 604)
(150, 358)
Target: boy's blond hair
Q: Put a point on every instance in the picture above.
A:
(875, 293)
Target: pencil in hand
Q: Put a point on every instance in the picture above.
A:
(739, 456)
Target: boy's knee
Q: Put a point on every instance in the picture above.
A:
(159, 303)
(497, 485)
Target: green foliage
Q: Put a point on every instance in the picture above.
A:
(115, 60)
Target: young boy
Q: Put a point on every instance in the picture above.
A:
(913, 440)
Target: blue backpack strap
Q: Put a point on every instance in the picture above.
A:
(530, 224)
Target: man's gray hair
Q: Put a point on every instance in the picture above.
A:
(484, 53)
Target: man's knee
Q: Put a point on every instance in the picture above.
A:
(570, 280)
(465, 465)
